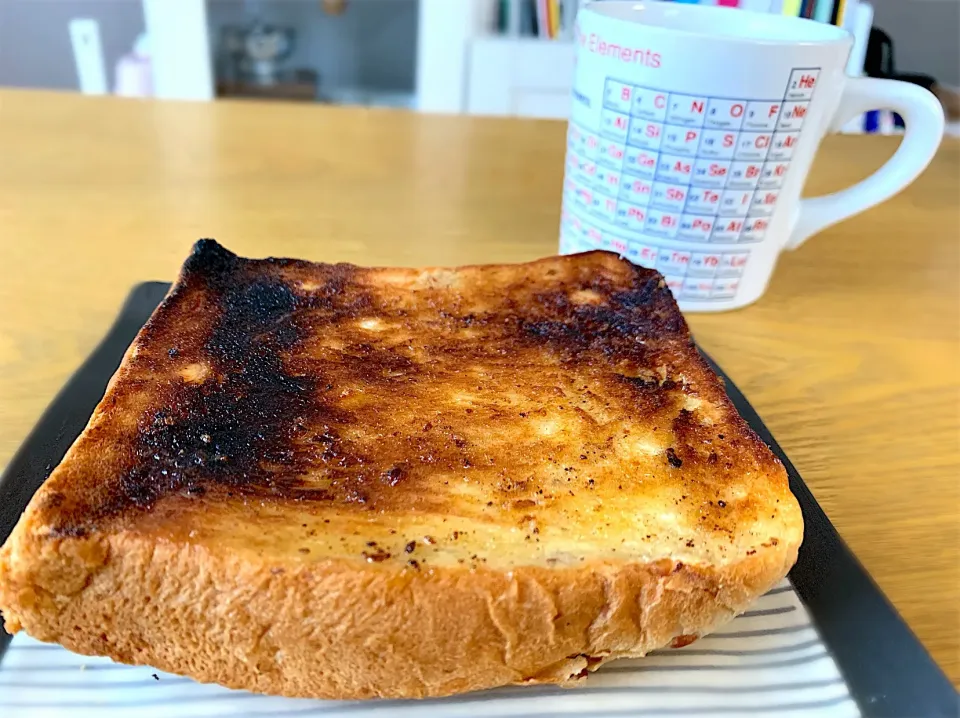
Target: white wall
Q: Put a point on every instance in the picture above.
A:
(35, 46)
(926, 36)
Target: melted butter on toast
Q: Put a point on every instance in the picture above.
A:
(551, 413)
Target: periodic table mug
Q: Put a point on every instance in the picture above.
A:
(692, 130)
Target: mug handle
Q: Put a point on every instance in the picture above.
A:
(923, 119)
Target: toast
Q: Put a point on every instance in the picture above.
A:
(332, 481)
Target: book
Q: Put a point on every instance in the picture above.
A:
(553, 7)
(823, 12)
(548, 19)
(543, 19)
(791, 7)
(840, 11)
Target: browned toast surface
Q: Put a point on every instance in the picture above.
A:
(287, 423)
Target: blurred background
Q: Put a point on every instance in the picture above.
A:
(500, 57)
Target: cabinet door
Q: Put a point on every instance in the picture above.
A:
(522, 77)
(543, 104)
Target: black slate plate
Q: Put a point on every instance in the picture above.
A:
(888, 671)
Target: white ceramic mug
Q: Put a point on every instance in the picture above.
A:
(691, 133)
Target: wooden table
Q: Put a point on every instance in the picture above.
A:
(851, 357)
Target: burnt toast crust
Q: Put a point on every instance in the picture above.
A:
(329, 457)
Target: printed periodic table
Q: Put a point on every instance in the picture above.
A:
(666, 175)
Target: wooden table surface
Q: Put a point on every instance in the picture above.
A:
(851, 357)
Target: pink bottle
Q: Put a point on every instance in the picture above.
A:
(133, 75)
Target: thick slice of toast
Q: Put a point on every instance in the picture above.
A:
(331, 481)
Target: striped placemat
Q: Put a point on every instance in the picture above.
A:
(768, 662)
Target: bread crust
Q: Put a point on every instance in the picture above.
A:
(331, 631)
(336, 482)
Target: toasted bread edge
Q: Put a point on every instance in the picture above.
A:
(336, 630)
